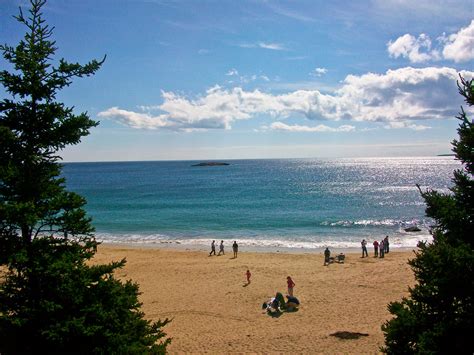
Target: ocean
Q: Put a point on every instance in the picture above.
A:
(278, 203)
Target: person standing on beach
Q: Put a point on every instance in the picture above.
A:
(248, 274)
(221, 248)
(235, 248)
(290, 284)
(363, 243)
(386, 244)
(327, 254)
(376, 248)
(382, 249)
(213, 248)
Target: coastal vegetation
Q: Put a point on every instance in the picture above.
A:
(52, 299)
(438, 316)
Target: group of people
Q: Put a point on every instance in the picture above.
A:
(278, 304)
(275, 304)
(235, 248)
(380, 248)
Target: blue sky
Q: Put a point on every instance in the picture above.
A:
(262, 79)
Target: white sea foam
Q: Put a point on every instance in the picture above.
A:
(399, 240)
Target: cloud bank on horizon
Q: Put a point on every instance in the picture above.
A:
(406, 97)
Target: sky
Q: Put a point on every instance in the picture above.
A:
(228, 79)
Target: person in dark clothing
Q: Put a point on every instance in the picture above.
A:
(363, 243)
(213, 248)
(235, 248)
(327, 254)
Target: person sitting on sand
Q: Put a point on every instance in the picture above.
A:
(327, 255)
(273, 305)
(340, 258)
(290, 284)
(292, 303)
(221, 248)
(235, 248)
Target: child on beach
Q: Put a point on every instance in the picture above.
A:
(290, 284)
(248, 274)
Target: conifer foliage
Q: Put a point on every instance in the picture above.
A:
(52, 300)
(438, 317)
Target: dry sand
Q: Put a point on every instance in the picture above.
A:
(214, 312)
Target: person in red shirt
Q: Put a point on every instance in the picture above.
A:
(290, 284)
(248, 274)
(376, 248)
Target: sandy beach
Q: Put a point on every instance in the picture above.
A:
(213, 310)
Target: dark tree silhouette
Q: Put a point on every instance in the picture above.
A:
(438, 316)
(51, 298)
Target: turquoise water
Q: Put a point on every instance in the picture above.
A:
(295, 203)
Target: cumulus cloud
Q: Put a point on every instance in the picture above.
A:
(408, 46)
(319, 72)
(402, 96)
(280, 126)
(458, 47)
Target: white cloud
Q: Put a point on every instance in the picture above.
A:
(408, 46)
(409, 125)
(458, 47)
(264, 45)
(232, 72)
(401, 96)
(272, 46)
(280, 126)
(318, 72)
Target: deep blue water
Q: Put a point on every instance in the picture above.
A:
(290, 202)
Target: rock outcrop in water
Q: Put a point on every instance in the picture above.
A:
(412, 229)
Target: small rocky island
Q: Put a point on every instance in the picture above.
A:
(211, 163)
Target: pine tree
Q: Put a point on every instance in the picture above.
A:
(51, 299)
(438, 317)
